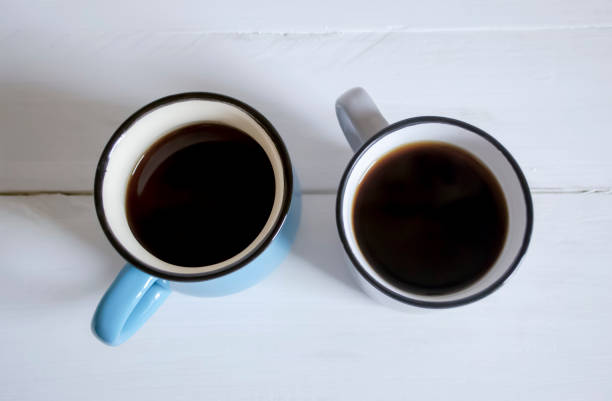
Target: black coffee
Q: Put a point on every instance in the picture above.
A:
(430, 218)
(200, 195)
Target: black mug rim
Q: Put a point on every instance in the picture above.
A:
(388, 291)
(123, 128)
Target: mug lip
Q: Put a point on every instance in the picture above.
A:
(389, 291)
(164, 101)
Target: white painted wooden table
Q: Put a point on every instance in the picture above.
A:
(535, 74)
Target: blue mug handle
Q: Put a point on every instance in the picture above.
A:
(130, 300)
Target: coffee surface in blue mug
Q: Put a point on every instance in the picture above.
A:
(200, 194)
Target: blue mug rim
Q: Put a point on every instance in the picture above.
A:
(186, 277)
(394, 294)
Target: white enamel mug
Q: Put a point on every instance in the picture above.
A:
(371, 138)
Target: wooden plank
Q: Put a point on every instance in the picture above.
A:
(545, 94)
(302, 15)
(307, 332)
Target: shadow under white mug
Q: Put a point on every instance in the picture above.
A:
(371, 138)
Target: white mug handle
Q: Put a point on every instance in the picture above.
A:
(359, 117)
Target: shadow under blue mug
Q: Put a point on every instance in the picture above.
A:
(146, 281)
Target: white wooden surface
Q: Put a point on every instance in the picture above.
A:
(298, 16)
(544, 90)
(535, 74)
(306, 333)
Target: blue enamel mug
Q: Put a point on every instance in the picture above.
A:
(146, 281)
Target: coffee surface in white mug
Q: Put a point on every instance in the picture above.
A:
(430, 217)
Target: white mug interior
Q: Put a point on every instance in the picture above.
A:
(144, 132)
(482, 149)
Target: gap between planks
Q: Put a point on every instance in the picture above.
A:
(340, 32)
(390, 29)
(570, 191)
